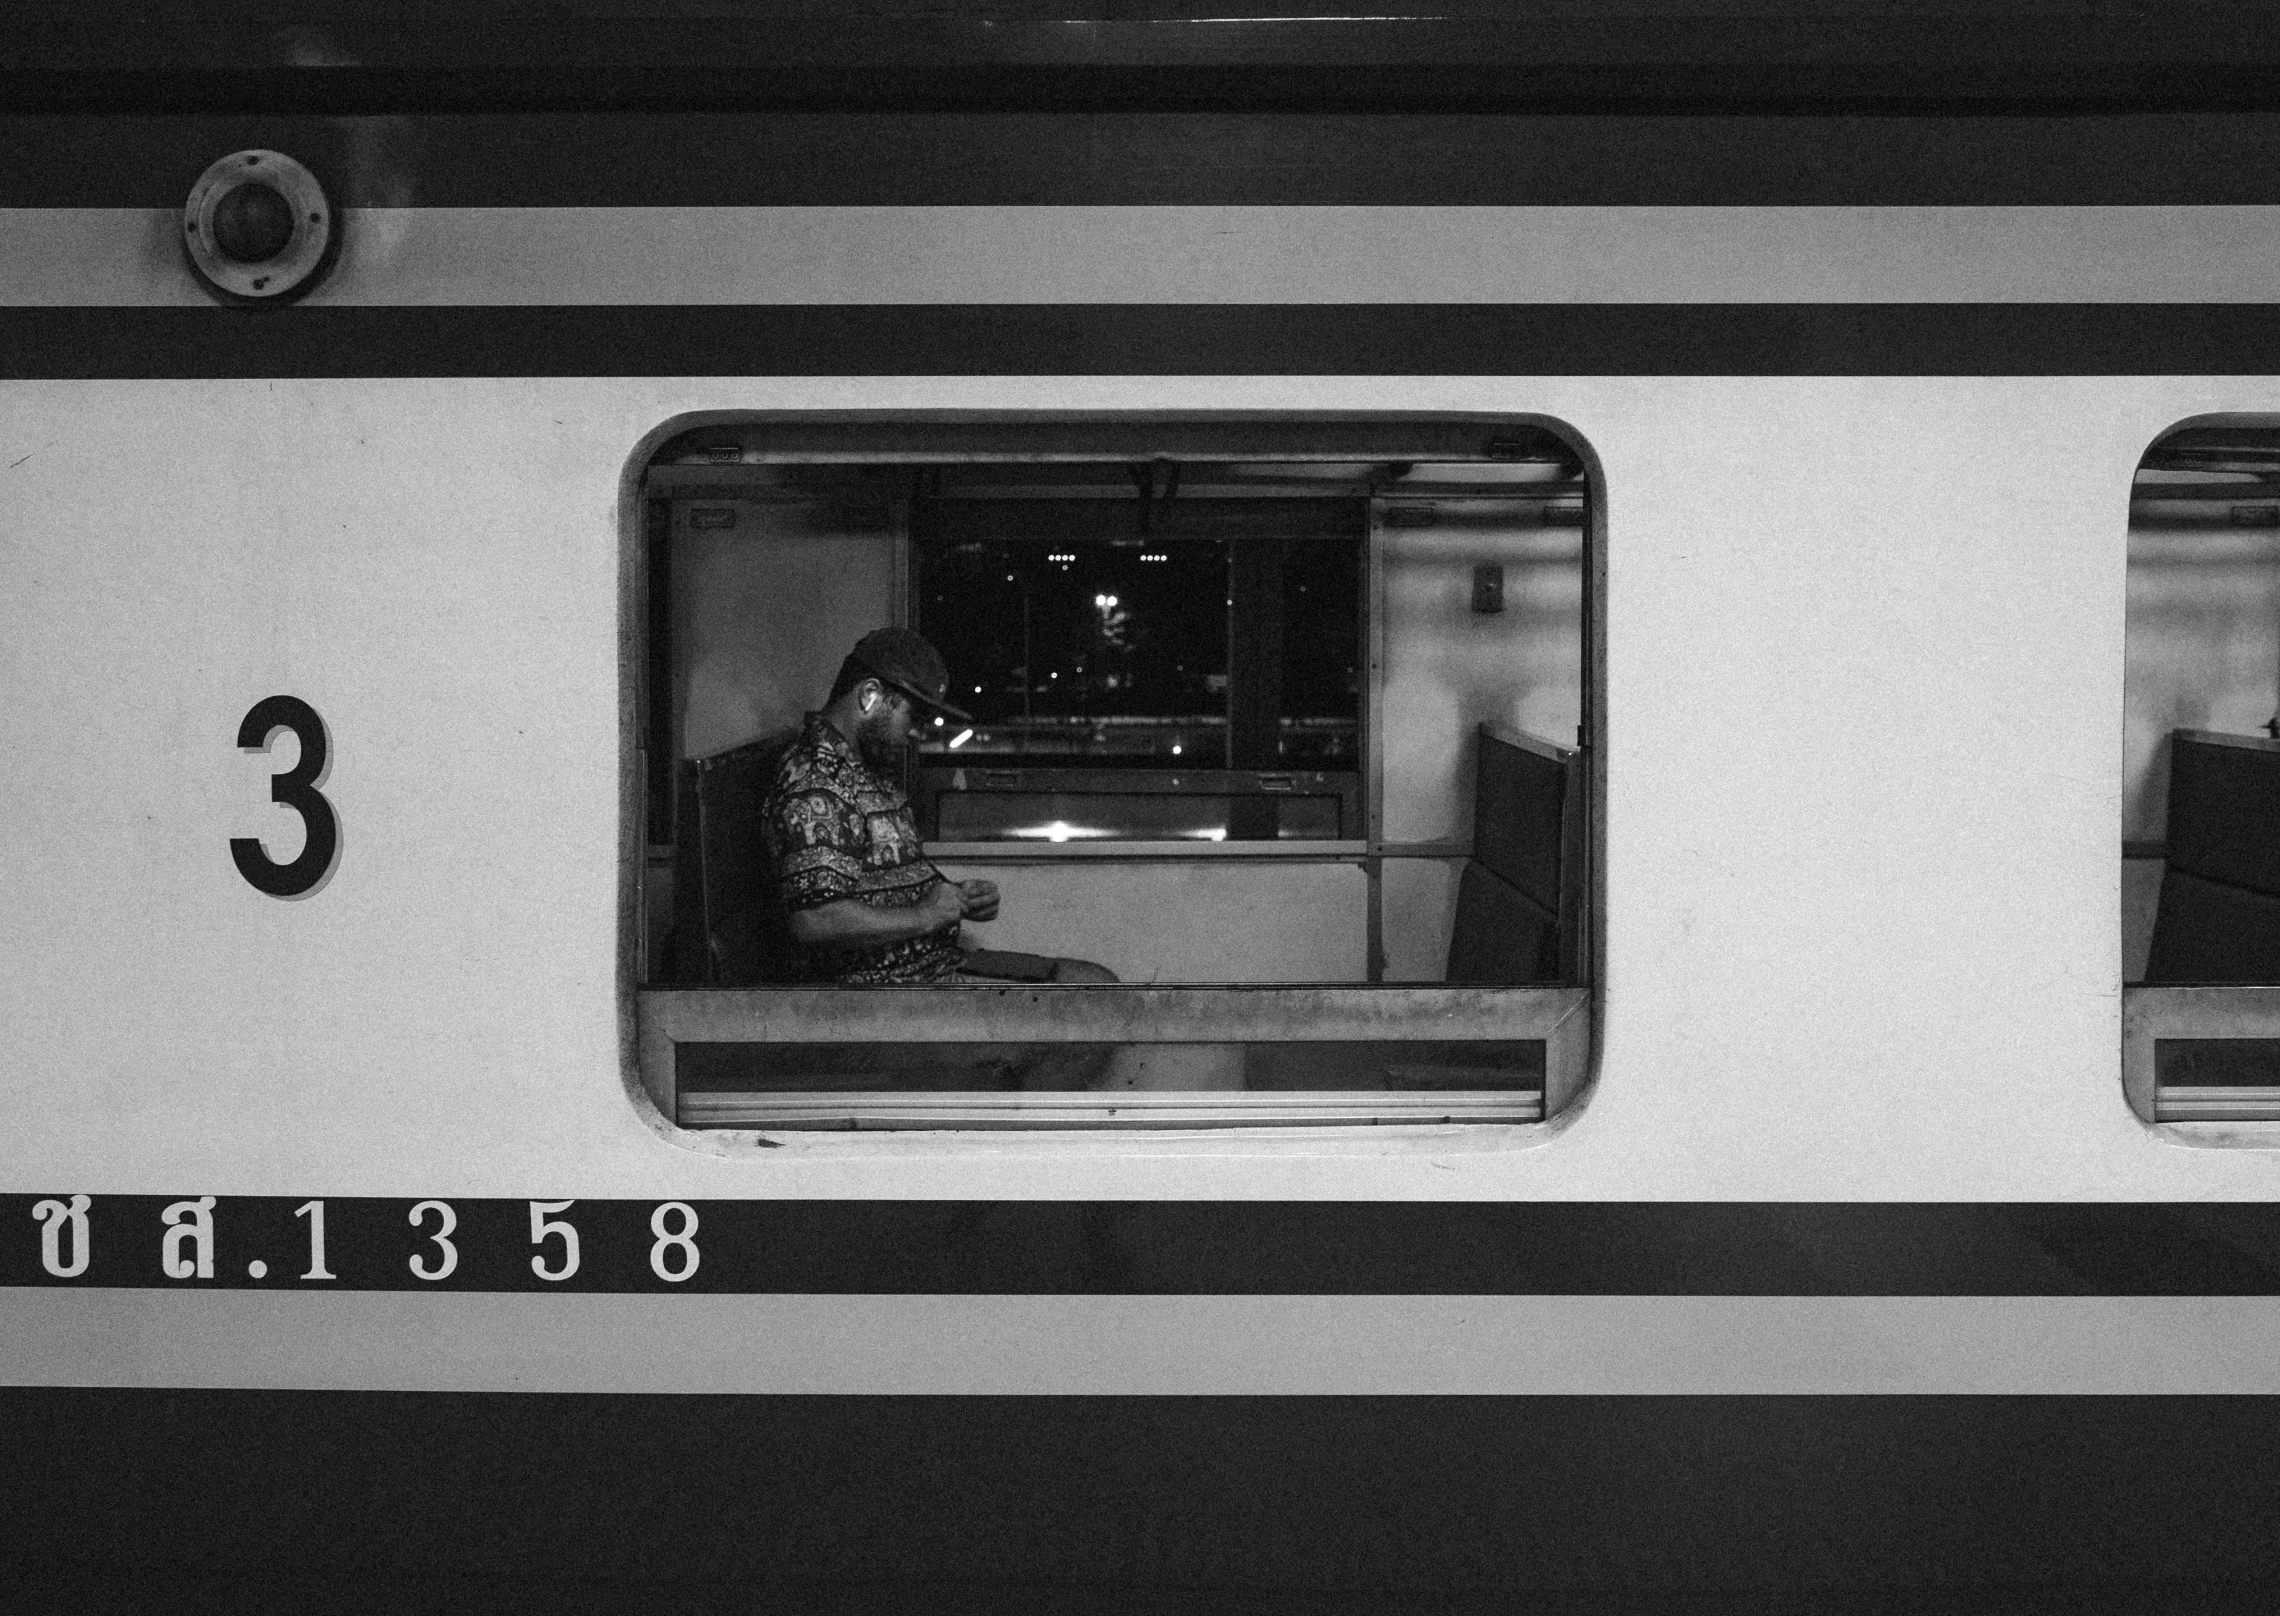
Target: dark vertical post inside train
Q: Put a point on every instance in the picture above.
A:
(1254, 677)
(657, 667)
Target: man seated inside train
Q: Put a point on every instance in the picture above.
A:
(860, 896)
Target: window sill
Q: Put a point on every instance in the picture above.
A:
(2152, 1014)
(858, 1113)
(667, 1018)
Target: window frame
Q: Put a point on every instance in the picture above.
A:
(654, 1021)
(2154, 1012)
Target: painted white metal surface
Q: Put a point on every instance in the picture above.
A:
(1860, 820)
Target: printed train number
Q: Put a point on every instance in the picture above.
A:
(543, 1227)
(296, 788)
(189, 1240)
(682, 1240)
(441, 1239)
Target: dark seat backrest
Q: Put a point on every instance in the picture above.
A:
(2219, 917)
(1520, 899)
(726, 910)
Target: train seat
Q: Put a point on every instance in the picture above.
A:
(1519, 899)
(2218, 918)
(728, 929)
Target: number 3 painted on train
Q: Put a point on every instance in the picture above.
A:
(297, 789)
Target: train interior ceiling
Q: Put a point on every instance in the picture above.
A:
(1230, 716)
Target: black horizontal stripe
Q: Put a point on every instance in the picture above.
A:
(1217, 1248)
(927, 56)
(1109, 159)
(1836, 339)
(1268, 1506)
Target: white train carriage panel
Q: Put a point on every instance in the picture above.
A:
(437, 568)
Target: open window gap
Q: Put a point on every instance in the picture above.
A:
(1171, 653)
(2201, 818)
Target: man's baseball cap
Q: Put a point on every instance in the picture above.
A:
(902, 660)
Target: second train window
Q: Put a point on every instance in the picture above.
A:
(2200, 858)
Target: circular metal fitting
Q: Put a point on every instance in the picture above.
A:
(259, 228)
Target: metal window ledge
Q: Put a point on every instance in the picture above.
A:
(2229, 1103)
(865, 1112)
(666, 1018)
(2151, 1014)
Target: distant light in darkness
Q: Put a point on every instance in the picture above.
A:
(1060, 830)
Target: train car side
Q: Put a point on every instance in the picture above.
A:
(1853, 1211)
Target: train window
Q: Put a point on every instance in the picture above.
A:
(2201, 788)
(1088, 772)
(1141, 667)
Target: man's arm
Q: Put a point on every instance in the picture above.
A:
(852, 923)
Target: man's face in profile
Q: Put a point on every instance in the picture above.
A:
(882, 733)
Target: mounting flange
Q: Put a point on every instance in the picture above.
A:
(259, 229)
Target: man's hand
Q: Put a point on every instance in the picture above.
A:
(979, 899)
(946, 904)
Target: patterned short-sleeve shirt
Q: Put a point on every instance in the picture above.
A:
(836, 830)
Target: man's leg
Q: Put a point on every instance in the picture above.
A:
(991, 967)
(1077, 973)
